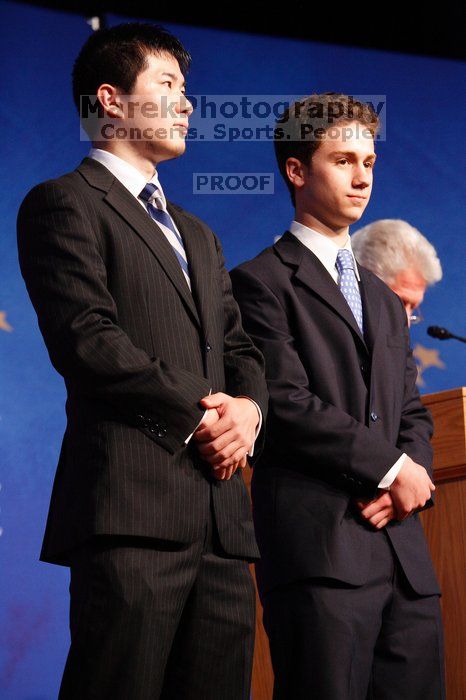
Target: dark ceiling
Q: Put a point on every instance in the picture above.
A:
(392, 26)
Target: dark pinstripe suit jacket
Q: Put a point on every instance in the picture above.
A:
(137, 351)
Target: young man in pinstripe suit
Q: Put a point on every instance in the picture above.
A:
(166, 397)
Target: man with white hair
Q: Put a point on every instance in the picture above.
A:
(402, 257)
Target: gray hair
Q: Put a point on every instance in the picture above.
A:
(388, 246)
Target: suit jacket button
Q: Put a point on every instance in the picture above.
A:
(208, 347)
(374, 416)
(143, 421)
(159, 430)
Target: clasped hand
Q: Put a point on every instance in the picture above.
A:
(226, 433)
(409, 492)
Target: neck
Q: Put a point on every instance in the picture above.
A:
(125, 151)
(338, 235)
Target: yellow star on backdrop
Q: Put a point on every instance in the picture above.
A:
(4, 325)
(426, 358)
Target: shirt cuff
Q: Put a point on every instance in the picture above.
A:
(259, 426)
(197, 426)
(392, 473)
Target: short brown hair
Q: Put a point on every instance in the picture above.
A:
(301, 128)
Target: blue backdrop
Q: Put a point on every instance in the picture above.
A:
(420, 177)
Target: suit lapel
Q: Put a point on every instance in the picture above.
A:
(311, 272)
(371, 296)
(199, 255)
(123, 202)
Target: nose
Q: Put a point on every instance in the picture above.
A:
(184, 105)
(362, 176)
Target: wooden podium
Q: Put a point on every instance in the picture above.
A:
(445, 527)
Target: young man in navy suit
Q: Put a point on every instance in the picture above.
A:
(351, 602)
(165, 396)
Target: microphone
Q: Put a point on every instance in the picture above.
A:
(443, 334)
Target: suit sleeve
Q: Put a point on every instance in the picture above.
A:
(66, 278)
(315, 433)
(243, 361)
(416, 425)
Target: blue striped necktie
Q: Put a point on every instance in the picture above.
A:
(348, 284)
(157, 212)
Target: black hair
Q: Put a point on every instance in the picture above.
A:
(117, 56)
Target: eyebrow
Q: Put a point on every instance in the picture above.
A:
(338, 154)
(173, 77)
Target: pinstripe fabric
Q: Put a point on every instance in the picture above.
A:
(138, 351)
(151, 620)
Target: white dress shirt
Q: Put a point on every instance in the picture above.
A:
(326, 251)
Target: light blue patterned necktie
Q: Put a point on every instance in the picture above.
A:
(161, 216)
(349, 284)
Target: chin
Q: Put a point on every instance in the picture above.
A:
(177, 147)
(354, 216)
(173, 149)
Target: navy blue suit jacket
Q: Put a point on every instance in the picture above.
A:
(342, 410)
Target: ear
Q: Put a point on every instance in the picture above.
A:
(109, 98)
(296, 172)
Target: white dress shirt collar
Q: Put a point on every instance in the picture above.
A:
(322, 246)
(127, 174)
